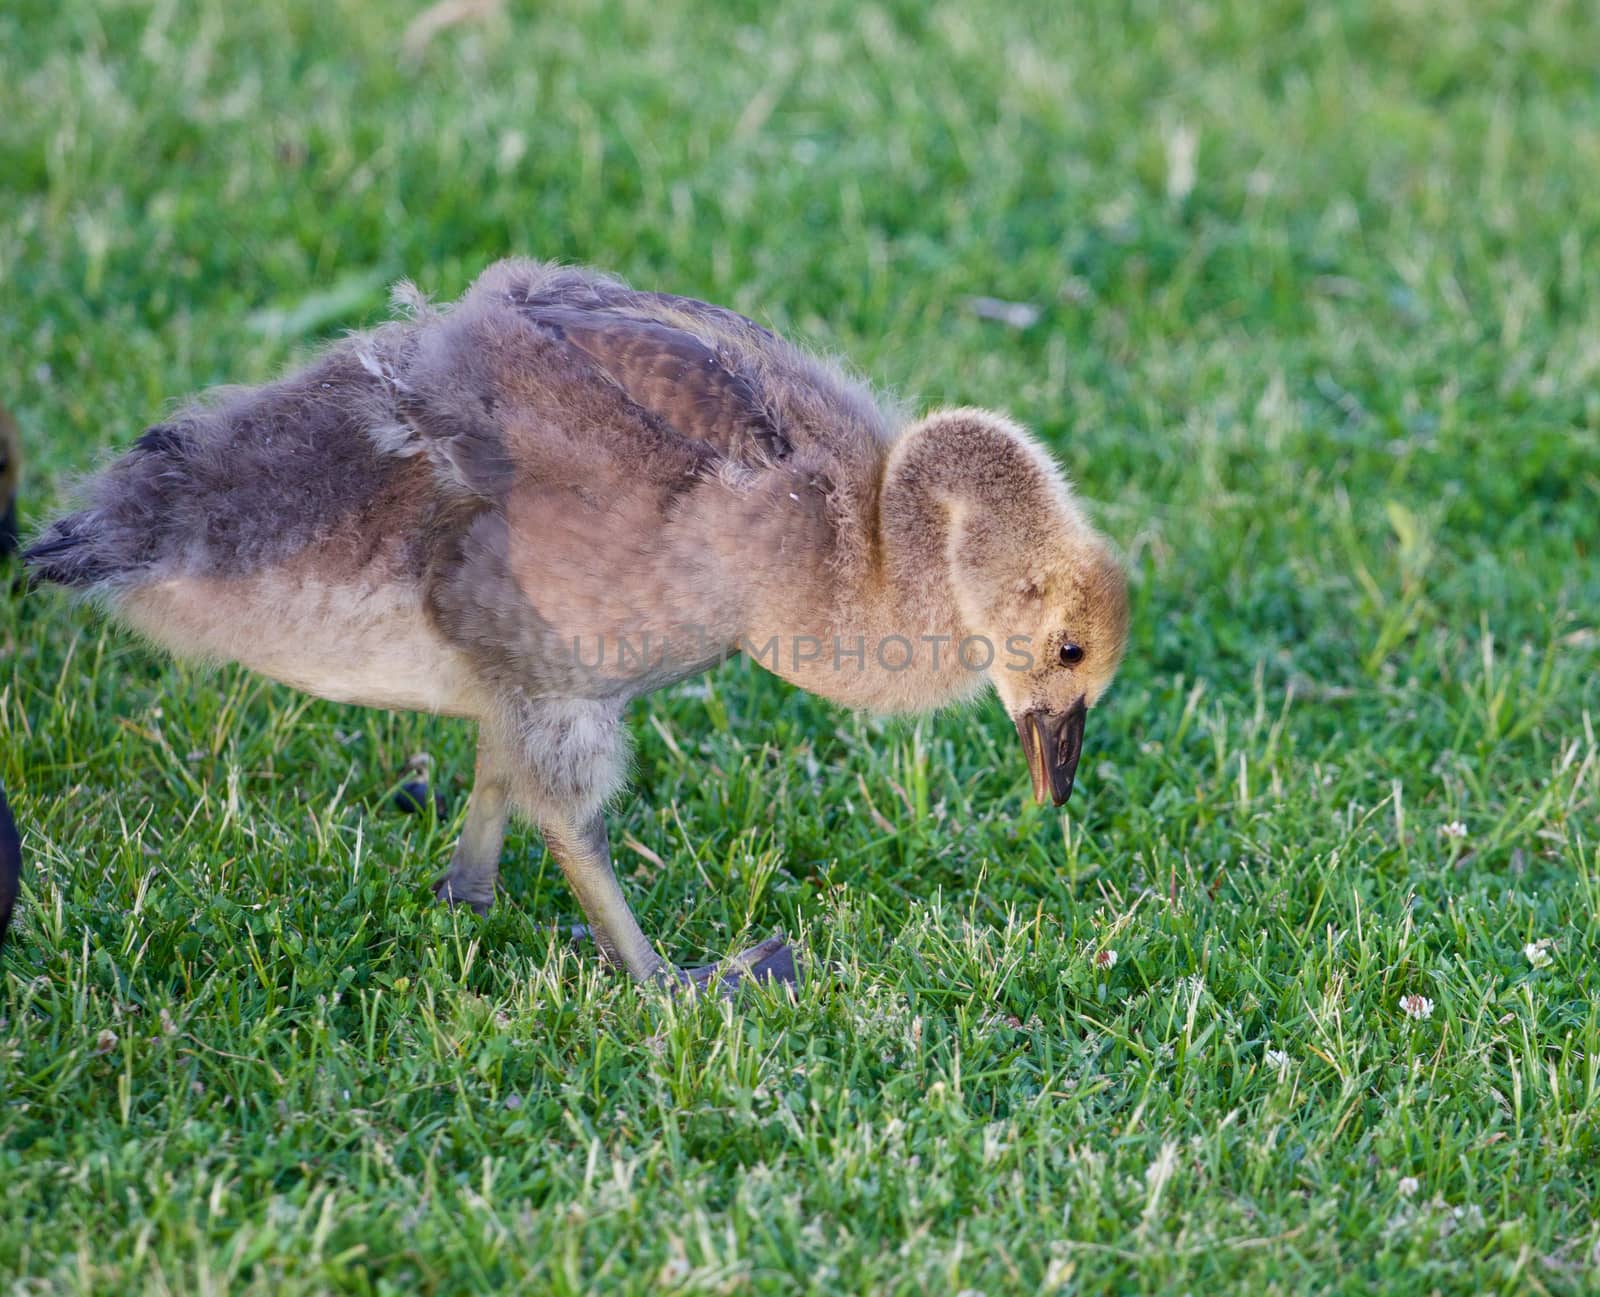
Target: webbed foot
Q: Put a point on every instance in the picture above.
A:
(459, 891)
(772, 960)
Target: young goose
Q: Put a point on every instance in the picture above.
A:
(10, 843)
(10, 472)
(560, 494)
(10, 864)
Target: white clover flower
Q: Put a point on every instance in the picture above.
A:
(1455, 829)
(1106, 959)
(1408, 1185)
(1277, 1059)
(1537, 953)
(1416, 1006)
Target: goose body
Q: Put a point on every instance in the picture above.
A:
(560, 494)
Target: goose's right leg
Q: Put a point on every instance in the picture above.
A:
(475, 863)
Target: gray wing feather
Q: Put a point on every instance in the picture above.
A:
(695, 388)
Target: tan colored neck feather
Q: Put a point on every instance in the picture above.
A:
(939, 471)
(951, 466)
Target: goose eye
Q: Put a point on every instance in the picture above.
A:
(1071, 655)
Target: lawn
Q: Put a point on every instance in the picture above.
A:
(1307, 303)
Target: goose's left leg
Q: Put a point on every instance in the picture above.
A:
(568, 756)
(584, 855)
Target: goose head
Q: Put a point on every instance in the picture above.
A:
(1059, 626)
(1040, 591)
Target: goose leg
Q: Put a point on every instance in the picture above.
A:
(584, 855)
(508, 773)
(553, 763)
(475, 863)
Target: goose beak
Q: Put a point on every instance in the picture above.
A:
(1053, 742)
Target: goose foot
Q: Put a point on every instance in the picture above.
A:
(772, 960)
(457, 891)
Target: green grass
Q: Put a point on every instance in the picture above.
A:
(1339, 400)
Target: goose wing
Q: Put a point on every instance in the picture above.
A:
(697, 384)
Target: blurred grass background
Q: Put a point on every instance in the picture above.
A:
(1309, 305)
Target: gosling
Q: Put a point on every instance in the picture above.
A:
(10, 842)
(560, 494)
(10, 473)
(10, 864)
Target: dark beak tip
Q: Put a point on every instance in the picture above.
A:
(1053, 742)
